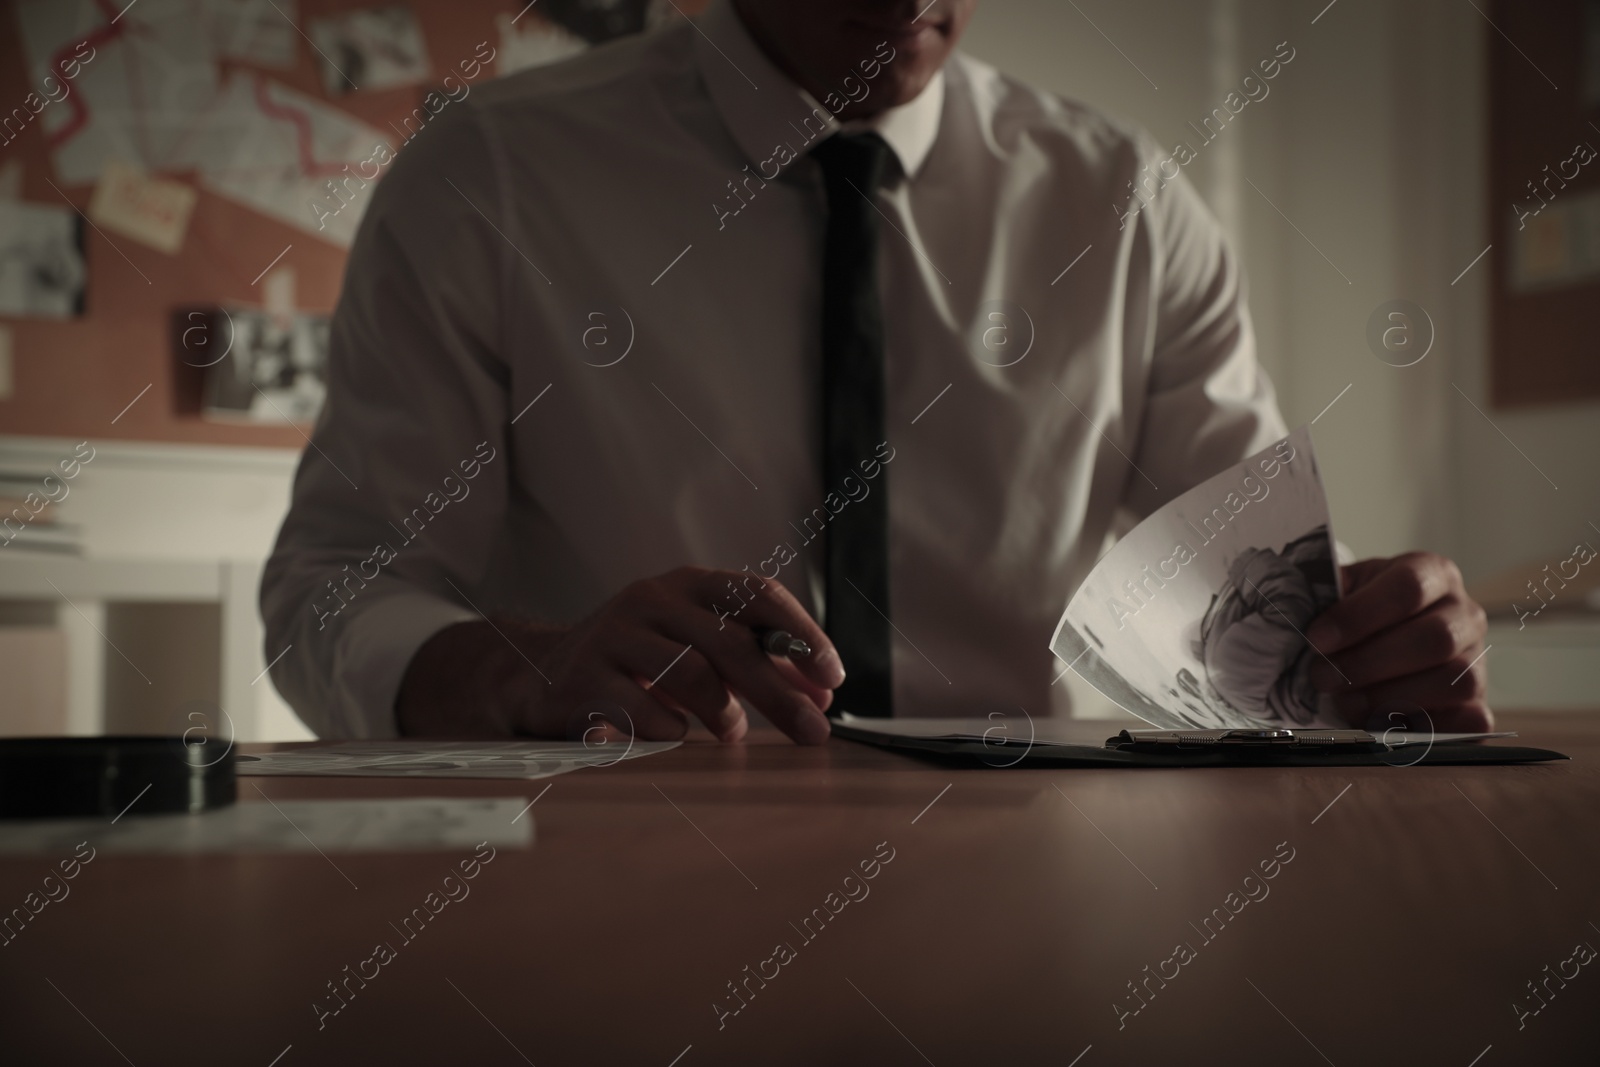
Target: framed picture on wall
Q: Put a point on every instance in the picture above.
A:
(1544, 201)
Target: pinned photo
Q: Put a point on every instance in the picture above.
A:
(374, 48)
(274, 370)
(42, 269)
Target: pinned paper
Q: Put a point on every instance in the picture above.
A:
(152, 211)
(133, 86)
(294, 158)
(277, 292)
(534, 45)
(261, 32)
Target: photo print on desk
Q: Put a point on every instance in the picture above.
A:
(1197, 618)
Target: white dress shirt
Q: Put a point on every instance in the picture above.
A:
(596, 288)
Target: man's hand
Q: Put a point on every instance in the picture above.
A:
(663, 649)
(1405, 636)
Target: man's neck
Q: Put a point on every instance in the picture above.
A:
(814, 85)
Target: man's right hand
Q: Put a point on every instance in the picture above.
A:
(655, 654)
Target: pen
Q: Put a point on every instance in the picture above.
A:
(782, 643)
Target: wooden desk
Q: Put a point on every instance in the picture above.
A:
(1014, 913)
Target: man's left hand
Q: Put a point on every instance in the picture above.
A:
(1405, 637)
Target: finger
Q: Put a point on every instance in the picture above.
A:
(787, 706)
(1399, 591)
(733, 712)
(600, 735)
(1474, 717)
(747, 669)
(821, 696)
(682, 607)
(1358, 574)
(767, 604)
(1455, 684)
(1432, 638)
(619, 706)
(683, 675)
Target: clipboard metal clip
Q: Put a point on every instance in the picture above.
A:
(1261, 739)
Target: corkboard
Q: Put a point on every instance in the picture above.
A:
(1542, 341)
(72, 378)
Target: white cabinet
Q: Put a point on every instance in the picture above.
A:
(173, 541)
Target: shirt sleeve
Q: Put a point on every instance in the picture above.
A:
(398, 496)
(1207, 402)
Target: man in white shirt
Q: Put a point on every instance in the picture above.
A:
(587, 357)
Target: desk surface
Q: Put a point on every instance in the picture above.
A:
(1015, 912)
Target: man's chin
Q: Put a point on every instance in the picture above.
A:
(895, 91)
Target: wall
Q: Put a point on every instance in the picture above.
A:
(1506, 512)
(74, 378)
(1372, 146)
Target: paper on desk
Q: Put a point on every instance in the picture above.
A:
(421, 759)
(1196, 619)
(1001, 729)
(997, 729)
(409, 824)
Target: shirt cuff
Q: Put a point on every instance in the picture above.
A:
(373, 653)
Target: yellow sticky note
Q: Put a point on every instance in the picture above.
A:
(150, 210)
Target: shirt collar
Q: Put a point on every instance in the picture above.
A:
(766, 111)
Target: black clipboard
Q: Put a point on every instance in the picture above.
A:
(1201, 748)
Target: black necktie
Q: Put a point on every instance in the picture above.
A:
(853, 423)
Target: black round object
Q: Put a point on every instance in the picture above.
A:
(50, 777)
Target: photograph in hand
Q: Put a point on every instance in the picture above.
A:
(1252, 638)
(1197, 618)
